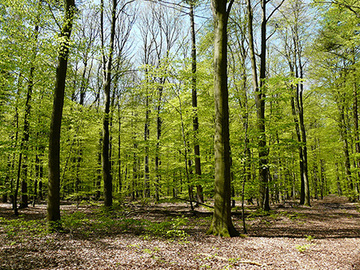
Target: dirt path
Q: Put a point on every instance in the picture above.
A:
(325, 236)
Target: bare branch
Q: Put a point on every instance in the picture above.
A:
(275, 9)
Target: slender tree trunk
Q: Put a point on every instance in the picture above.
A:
(187, 161)
(119, 153)
(221, 222)
(300, 105)
(37, 179)
(53, 208)
(158, 136)
(301, 156)
(315, 170)
(106, 162)
(146, 140)
(338, 184)
(26, 132)
(322, 179)
(260, 102)
(7, 180)
(199, 189)
(344, 135)
(97, 180)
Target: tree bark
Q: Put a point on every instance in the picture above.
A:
(356, 129)
(221, 222)
(344, 135)
(53, 207)
(260, 102)
(106, 162)
(300, 89)
(199, 190)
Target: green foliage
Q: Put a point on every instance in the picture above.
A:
(104, 222)
(329, 78)
(171, 229)
(303, 248)
(17, 230)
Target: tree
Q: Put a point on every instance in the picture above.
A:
(199, 189)
(260, 101)
(221, 222)
(109, 101)
(295, 26)
(53, 208)
(259, 85)
(338, 49)
(106, 164)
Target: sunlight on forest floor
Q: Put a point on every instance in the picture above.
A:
(170, 236)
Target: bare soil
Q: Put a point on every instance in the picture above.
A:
(324, 236)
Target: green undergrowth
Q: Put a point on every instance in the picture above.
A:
(21, 230)
(102, 222)
(94, 224)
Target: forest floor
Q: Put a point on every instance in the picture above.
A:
(170, 236)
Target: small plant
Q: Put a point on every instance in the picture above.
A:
(233, 260)
(303, 248)
(309, 238)
(148, 251)
(134, 245)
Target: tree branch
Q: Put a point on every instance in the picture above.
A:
(272, 13)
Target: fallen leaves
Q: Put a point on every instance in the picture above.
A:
(297, 238)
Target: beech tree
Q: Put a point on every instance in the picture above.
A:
(337, 44)
(259, 77)
(295, 25)
(53, 208)
(221, 223)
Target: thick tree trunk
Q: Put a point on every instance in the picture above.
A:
(53, 208)
(221, 223)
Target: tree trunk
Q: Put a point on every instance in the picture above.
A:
(53, 208)
(338, 184)
(260, 102)
(199, 190)
(146, 140)
(106, 162)
(356, 132)
(158, 136)
(300, 105)
(119, 153)
(221, 222)
(344, 136)
(315, 170)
